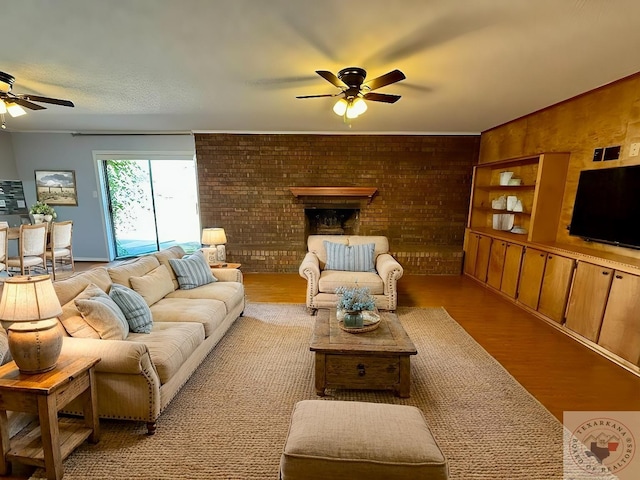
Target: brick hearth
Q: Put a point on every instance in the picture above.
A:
(423, 186)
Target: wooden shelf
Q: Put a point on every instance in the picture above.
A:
(367, 192)
(506, 188)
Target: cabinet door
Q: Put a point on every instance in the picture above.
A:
(471, 254)
(531, 277)
(556, 281)
(482, 262)
(588, 299)
(620, 331)
(511, 271)
(496, 263)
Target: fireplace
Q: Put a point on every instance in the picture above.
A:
(332, 221)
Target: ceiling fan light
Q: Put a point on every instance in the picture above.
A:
(359, 105)
(3, 107)
(340, 107)
(15, 110)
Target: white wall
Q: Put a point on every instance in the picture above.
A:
(8, 169)
(63, 151)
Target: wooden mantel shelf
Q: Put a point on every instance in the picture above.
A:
(368, 192)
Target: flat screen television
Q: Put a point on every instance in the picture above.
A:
(607, 206)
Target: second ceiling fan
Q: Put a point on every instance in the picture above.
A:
(355, 90)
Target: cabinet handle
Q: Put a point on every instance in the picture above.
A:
(361, 370)
(542, 254)
(619, 276)
(605, 273)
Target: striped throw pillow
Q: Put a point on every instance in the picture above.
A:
(192, 271)
(134, 307)
(350, 258)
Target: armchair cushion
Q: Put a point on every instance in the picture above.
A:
(350, 258)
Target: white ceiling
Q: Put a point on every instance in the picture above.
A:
(237, 65)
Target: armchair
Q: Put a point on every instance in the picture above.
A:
(322, 282)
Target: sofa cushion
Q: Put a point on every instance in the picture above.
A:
(332, 279)
(350, 258)
(231, 293)
(170, 344)
(210, 313)
(154, 285)
(72, 319)
(134, 308)
(165, 255)
(104, 315)
(69, 288)
(137, 268)
(192, 271)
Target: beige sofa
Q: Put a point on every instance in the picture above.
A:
(322, 283)
(138, 377)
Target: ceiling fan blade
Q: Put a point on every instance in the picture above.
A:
(317, 96)
(382, 97)
(386, 79)
(331, 78)
(25, 103)
(55, 101)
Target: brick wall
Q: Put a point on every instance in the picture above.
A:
(423, 184)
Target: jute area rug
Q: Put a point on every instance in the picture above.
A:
(231, 419)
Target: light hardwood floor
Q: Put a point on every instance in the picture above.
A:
(561, 373)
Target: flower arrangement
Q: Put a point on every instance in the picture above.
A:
(355, 299)
(42, 209)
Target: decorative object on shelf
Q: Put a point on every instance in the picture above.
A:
(505, 177)
(519, 230)
(28, 312)
(355, 308)
(511, 202)
(515, 182)
(42, 212)
(499, 203)
(518, 206)
(215, 238)
(503, 221)
(56, 187)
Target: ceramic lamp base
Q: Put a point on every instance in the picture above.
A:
(35, 346)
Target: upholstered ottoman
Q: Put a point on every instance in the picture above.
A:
(356, 440)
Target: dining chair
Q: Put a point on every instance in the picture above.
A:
(4, 247)
(32, 249)
(59, 249)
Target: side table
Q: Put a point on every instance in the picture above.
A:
(216, 266)
(44, 394)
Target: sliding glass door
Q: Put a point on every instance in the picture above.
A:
(152, 205)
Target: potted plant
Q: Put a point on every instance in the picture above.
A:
(41, 212)
(352, 301)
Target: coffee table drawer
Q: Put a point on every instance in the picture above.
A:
(362, 371)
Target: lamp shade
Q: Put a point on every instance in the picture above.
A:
(213, 236)
(28, 299)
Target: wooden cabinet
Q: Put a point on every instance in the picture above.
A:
(542, 179)
(504, 266)
(558, 273)
(620, 331)
(533, 264)
(588, 299)
(477, 255)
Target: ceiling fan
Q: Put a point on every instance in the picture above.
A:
(12, 103)
(355, 90)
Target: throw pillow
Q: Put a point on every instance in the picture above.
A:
(73, 321)
(350, 258)
(192, 271)
(134, 308)
(154, 285)
(104, 315)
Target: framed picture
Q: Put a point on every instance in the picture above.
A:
(56, 187)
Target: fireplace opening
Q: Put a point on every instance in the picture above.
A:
(332, 221)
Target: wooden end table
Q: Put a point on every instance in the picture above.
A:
(375, 360)
(44, 394)
(216, 266)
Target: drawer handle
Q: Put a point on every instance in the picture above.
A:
(361, 371)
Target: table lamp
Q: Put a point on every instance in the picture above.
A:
(215, 238)
(28, 312)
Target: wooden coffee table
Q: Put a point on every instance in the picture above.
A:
(376, 360)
